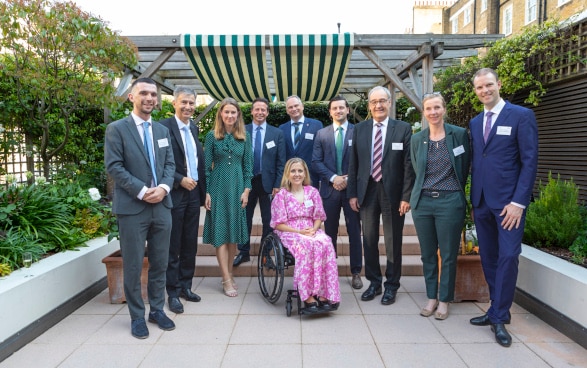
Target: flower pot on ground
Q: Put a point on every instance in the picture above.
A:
(115, 277)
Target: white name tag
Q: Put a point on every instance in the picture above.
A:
(163, 142)
(458, 150)
(270, 144)
(308, 203)
(504, 130)
(309, 136)
(397, 146)
(350, 142)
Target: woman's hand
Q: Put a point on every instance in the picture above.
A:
(310, 231)
(208, 202)
(245, 198)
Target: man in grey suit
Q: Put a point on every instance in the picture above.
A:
(268, 164)
(380, 182)
(188, 194)
(330, 160)
(139, 159)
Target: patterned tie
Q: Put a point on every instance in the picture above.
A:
(190, 152)
(297, 134)
(257, 152)
(149, 148)
(377, 153)
(338, 143)
(487, 126)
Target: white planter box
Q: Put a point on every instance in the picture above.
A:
(55, 280)
(555, 282)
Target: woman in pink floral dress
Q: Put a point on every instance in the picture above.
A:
(297, 215)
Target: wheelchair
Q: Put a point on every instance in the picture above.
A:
(273, 260)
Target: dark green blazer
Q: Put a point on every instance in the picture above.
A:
(456, 137)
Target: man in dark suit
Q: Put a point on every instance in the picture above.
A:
(268, 164)
(330, 161)
(188, 194)
(504, 142)
(299, 135)
(139, 159)
(380, 181)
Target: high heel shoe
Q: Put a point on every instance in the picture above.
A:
(229, 289)
(428, 312)
(234, 285)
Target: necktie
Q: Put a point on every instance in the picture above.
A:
(377, 153)
(257, 152)
(338, 143)
(487, 126)
(191, 154)
(297, 134)
(149, 148)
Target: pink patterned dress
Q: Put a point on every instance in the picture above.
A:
(315, 272)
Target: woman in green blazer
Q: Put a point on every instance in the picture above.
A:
(440, 157)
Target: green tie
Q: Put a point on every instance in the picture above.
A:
(338, 143)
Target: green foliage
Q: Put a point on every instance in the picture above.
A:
(555, 218)
(579, 246)
(13, 244)
(5, 269)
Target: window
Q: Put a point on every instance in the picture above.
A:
(455, 26)
(530, 11)
(467, 16)
(507, 20)
(484, 5)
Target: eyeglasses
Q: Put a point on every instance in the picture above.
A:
(432, 94)
(378, 102)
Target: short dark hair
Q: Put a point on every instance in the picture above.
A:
(261, 99)
(338, 98)
(142, 80)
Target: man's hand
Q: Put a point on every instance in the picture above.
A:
(513, 216)
(188, 183)
(340, 182)
(154, 195)
(354, 202)
(404, 207)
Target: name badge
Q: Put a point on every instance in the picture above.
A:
(270, 144)
(308, 203)
(458, 150)
(163, 142)
(350, 142)
(397, 146)
(504, 130)
(309, 136)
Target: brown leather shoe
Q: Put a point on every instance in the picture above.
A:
(356, 281)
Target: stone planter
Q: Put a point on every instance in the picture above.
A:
(115, 278)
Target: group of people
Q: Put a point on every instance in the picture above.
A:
(303, 175)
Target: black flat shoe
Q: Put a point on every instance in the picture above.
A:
(311, 308)
(325, 305)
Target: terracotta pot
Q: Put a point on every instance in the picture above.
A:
(115, 278)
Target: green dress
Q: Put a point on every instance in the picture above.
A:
(229, 169)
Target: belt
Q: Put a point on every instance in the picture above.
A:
(438, 193)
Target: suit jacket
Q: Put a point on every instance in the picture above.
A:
(324, 156)
(456, 138)
(272, 157)
(128, 164)
(181, 164)
(504, 168)
(306, 145)
(396, 167)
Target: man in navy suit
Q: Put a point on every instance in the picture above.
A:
(188, 194)
(299, 135)
(330, 161)
(139, 159)
(269, 162)
(504, 142)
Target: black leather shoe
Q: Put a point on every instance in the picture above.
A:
(388, 296)
(138, 328)
(159, 317)
(485, 321)
(371, 292)
(189, 295)
(240, 258)
(325, 305)
(175, 305)
(502, 336)
(311, 308)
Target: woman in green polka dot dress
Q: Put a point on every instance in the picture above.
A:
(229, 169)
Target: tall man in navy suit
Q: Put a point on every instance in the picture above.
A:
(330, 161)
(268, 164)
(505, 159)
(188, 194)
(138, 157)
(299, 135)
(380, 182)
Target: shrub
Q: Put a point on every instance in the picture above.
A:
(555, 218)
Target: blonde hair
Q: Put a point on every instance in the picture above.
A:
(285, 183)
(239, 128)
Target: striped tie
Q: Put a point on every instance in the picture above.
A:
(297, 134)
(377, 153)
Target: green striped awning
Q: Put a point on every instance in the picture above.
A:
(229, 66)
(310, 66)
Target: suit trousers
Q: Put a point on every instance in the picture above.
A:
(257, 194)
(150, 227)
(500, 250)
(439, 223)
(332, 206)
(183, 245)
(376, 205)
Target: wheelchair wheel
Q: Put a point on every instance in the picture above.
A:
(288, 307)
(271, 268)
